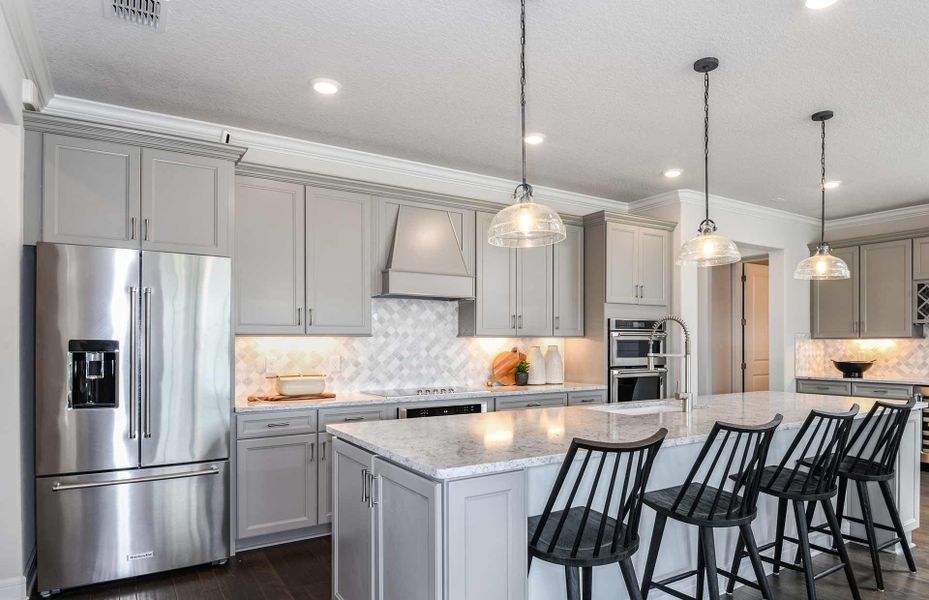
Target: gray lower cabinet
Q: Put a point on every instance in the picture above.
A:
(514, 401)
(831, 388)
(276, 484)
(867, 389)
(835, 303)
(269, 257)
(352, 524)
(887, 290)
(587, 397)
(90, 192)
(324, 478)
(568, 282)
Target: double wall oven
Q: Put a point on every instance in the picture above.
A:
(629, 345)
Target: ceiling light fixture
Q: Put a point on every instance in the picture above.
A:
(822, 266)
(672, 173)
(526, 223)
(708, 248)
(831, 185)
(326, 87)
(819, 4)
(535, 138)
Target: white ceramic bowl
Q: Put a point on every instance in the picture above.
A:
(300, 385)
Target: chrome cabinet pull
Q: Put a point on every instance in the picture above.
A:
(364, 485)
(322, 450)
(586, 400)
(519, 322)
(351, 419)
(133, 358)
(533, 404)
(375, 493)
(60, 487)
(146, 228)
(309, 317)
(557, 322)
(131, 228)
(299, 316)
(513, 321)
(147, 399)
(312, 453)
(273, 425)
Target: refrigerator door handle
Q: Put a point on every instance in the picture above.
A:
(133, 361)
(147, 367)
(61, 487)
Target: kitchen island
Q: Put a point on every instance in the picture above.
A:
(437, 508)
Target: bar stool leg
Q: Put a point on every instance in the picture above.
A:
(810, 512)
(803, 537)
(654, 546)
(840, 500)
(632, 584)
(870, 533)
(572, 581)
(701, 565)
(736, 562)
(587, 574)
(779, 533)
(709, 560)
(755, 557)
(839, 543)
(898, 524)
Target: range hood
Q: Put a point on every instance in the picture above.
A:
(425, 258)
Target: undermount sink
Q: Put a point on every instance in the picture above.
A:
(636, 410)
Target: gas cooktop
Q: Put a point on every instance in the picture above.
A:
(428, 391)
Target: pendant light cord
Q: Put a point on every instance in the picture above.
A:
(822, 186)
(524, 187)
(706, 144)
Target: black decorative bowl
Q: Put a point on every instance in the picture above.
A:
(852, 369)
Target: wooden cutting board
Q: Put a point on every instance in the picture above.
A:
(276, 398)
(504, 367)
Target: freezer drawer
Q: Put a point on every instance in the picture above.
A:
(107, 526)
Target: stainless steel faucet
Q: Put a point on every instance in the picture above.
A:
(684, 396)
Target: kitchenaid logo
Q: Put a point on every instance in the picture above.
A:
(140, 555)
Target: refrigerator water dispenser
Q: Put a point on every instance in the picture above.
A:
(93, 379)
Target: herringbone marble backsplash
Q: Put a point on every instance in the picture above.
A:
(414, 343)
(894, 359)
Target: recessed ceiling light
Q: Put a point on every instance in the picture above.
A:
(535, 138)
(818, 4)
(831, 185)
(326, 87)
(672, 173)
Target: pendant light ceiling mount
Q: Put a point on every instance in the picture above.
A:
(708, 249)
(525, 224)
(822, 266)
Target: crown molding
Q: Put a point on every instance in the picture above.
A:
(22, 30)
(345, 163)
(730, 205)
(627, 218)
(885, 216)
(48, 123)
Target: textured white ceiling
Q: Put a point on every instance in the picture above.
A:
(610, 84)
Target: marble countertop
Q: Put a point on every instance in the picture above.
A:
(348, 399)
(467, 445)
(865, 379)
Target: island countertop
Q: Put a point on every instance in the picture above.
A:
(468, 445)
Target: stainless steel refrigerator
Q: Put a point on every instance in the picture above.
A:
(133, 401)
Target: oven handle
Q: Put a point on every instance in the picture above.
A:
(638, 335)
(639, 373)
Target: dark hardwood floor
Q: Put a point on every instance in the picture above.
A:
(301, 571)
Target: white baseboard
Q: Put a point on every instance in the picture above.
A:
(13, 588)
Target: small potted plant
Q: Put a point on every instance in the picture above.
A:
(522, 373)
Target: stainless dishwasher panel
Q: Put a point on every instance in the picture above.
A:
(121, 524)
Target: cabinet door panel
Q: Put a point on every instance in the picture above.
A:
(534, 292)
(887, 290)
(408, 525)
(921, 258)
(276, 483)
(186, 202)
(495, 302)
(352, 525)
(90, 192)
(324, 478)
(835, 303)
(569, 284)
(338, 262)
(269, 257)
(654, 267)
(621, 261)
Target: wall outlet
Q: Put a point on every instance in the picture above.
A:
(335, 364)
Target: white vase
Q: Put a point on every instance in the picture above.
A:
(554, 366)
(536, 366)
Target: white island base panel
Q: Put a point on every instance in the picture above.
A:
(401, 534)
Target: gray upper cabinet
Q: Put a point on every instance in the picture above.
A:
(269, 257)
(921, 258)
(186, 202)
(568, 295)
(835, 303)
(887, 290)
(638, 266)
(338, 262)
(534, 291)
(494, 307)
(90, 192)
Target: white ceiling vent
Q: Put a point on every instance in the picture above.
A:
(148, 13)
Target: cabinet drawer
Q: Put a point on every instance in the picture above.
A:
(333, 416)
(591, 397)
(834, 388)
(273, 424)
(882, 390)
(530, 401)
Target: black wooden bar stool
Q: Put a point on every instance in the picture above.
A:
(731, 451)
(820, 445)
(871, 456)
(580, 537)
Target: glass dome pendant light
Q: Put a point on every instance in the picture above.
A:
(822, 266)
(525, 224)
(708, 248)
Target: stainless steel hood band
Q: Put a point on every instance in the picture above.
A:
(133, 361)
(147, 397)
(61, 487)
